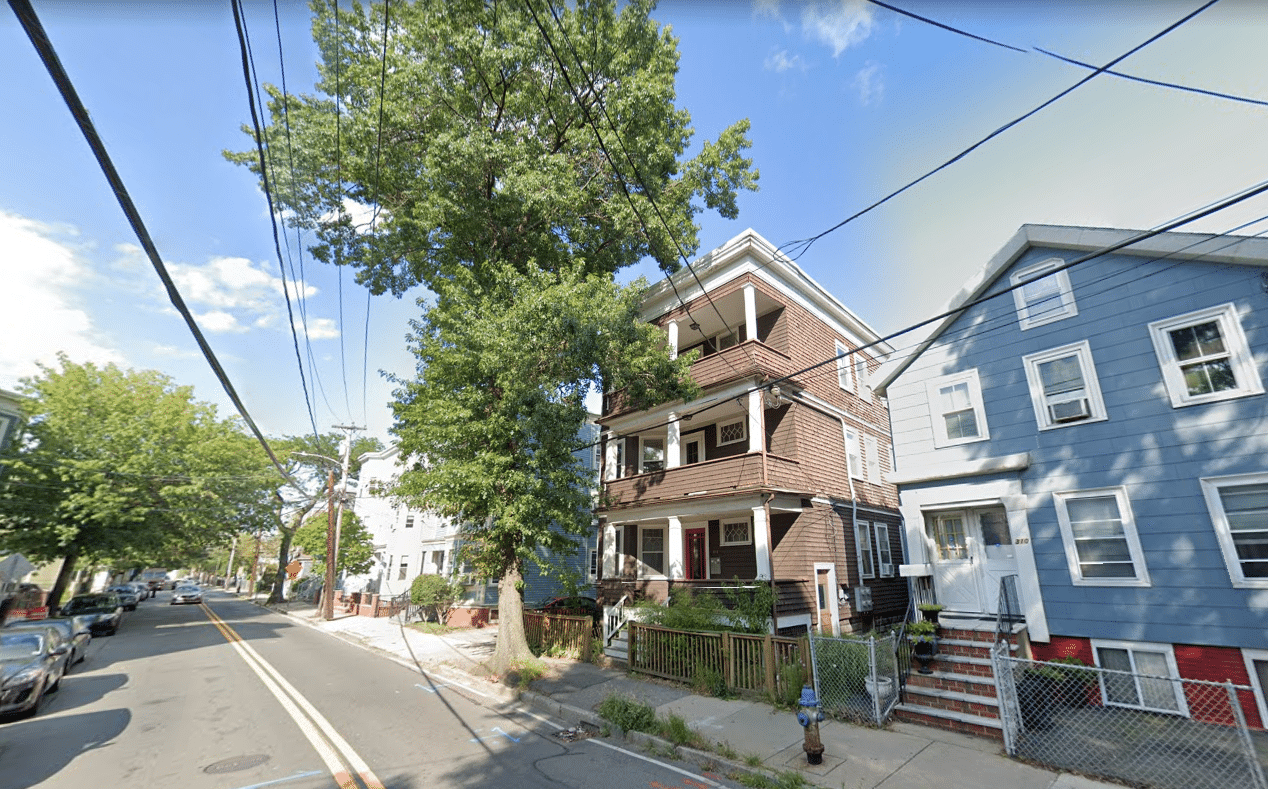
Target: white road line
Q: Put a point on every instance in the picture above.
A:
(679, 770)
(287, 779)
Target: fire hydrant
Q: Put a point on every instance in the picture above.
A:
(809, 718)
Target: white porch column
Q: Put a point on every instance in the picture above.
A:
(755, 421)
(761, 545)
(750, 311)
(673, 452)
(673, 339)
(676, 567)
(610, 457)
(609, 551)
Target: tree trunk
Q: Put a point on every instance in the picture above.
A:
(283, 558)
(54, 600)
(512, 644)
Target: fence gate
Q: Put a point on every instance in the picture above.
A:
(1006, 694)
(856, 678)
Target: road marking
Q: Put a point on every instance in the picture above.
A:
(432, 689)
(497, 730)
(678, 770)
(287, 779)
(334, 751)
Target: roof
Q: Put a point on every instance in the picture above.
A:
(1210, 247)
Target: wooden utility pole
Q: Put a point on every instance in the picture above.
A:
(328, 609)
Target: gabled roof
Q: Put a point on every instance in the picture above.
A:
(1236, 250)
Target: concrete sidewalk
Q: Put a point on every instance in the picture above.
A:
(902, 756)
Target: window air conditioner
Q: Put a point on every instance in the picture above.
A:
(887, 571)
(1070, 410)
(862, 598)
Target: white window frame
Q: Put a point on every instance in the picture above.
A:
(860, 377)
(409, 520)
(863, 544)
(1029, 315)
(1082, 351)
(845, 370)
(853, 454)
(1168, 653)
(872, 450)
(748, 527)
(1223, 533)
(1249, 656)
(592, 571)
(645, 570)
(884, 554)
(937, 418)
(642, 454)
(1235, 345)
(743, 421)
(1130, 536)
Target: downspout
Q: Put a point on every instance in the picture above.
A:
(770, 546)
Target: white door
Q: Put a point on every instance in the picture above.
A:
(998, 555)
(955, 576)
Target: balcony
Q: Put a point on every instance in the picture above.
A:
(740, 473)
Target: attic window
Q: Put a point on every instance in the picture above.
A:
(1046, 295)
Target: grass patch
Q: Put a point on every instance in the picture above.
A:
(725, 750)
(432, 628)
(526, 672)
(753, 760)
(785, 780)
(676, 730)
(628, 714)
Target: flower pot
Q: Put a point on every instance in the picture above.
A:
(880, 688)
(923, 651)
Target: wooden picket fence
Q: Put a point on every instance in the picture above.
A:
(754, 664)
(557, 634)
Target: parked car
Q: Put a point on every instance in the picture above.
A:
(127, 596)
(575, 606)
(32, 663)
(104, 611)
(187, 594)
(74, 630)
(143, 590)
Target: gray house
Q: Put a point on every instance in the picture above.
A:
(1099, 431)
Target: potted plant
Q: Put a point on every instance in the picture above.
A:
(924, 643)
(930, 611)
(1076, 680)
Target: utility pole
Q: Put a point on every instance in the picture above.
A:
(343, 482)
(328, 602)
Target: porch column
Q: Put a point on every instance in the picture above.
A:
(761, 543)
(676, 567)
(673, 339)
(610, 570)
(673, 452)
(755, 421)
(610, 450)
(750, 311)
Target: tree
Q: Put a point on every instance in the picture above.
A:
(437, 593)
(356, 546)
(125, 468)
(492, 190)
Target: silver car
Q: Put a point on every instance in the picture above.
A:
(32, 663)
(187, 594)
(75, 631)
(127, 596)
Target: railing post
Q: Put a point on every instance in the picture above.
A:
(768, 647)
(876, 686)
(1243, 736)
(633, 639)
(728, 665)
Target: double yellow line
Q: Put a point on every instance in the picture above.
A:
(349, 770)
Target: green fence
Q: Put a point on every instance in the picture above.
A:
(756, 664)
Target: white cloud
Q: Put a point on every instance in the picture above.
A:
(766, 9)
(171, 351)
(840, 24)
(41, 315)
(869, 83)
(780, 62)
(318, 328)
(219, 322)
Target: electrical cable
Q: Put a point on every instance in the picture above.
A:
(928, 21)
(801, 246)
(1159, 83)
(44, 47)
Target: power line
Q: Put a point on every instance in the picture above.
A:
(44, 47)
(802, 245)
(957, 31)
(1159, 83)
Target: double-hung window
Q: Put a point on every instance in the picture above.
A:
(845, 370)
(853, 457)
(1044, 296)
(863, 542)
(1239, 512)
(652, 550)
(884, 555)
(873, 449)
(1063, 386)
(652, 456)
(1101, 544)
(955, 405)
(1204, 356)
(1143, 676)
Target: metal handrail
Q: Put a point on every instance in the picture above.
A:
(1009, 608)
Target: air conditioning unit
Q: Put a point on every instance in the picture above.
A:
(887, 571)
(1070, 410)
(862, 598)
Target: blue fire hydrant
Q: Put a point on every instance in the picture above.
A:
(809, 717)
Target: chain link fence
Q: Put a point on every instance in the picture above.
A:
(1146, 730)
(856, 679)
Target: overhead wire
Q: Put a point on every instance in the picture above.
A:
(1159, 83)
(44, 47)
(935, 23)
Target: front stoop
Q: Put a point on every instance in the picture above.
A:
(960, 694)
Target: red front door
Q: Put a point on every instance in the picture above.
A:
(697, 561)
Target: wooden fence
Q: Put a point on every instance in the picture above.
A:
(556, 634)
(754, 664)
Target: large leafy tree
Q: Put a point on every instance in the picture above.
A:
(486, 156)
(356, 544)
(125, 468)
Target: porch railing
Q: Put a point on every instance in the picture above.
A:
(1009, 610)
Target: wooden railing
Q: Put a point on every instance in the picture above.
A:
(556, 634)
(754, 664)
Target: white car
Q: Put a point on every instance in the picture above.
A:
(187, 594)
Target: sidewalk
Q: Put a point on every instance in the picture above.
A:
(902, 756)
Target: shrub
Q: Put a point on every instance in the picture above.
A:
(676, 730)
(791, 678)
(436, 593)
(628, 714)
(708, 682)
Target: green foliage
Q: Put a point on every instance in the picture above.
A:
(751, 608)
(709, 682)
(788, 779)
(356, 545)
(791, 679)
(526, 672)
(747, 610)
(432, 628)
(436, 593)
(922, 631)
(676, 730)
(930, 608)
(628, 714)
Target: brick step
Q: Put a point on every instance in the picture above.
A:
(952, 701)
(951, 720)
(969, 648)
(960, 664)
(971, 684)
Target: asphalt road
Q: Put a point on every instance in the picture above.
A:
(233, 696)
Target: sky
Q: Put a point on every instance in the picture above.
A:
(848, 101)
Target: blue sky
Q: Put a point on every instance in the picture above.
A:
(848, 101)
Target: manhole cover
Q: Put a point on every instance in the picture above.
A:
(236, 763)
(581, 731)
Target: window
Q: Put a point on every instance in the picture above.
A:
(652, 550)
(845, 370)
(853, 460)
(1063, 386)
(1149, 680)
(873, 459)
(863, 542)
(737, 533)
(692, 450)
(1204, 357)
(1046, 297)
(403, 570)
(1100, 538)
(955, 403)
(860, 377)
(884, 555)
(1239, 512)
(594, 564)
(409, 521)
(652, 457)
(1257, 667)
(732, 432)
(438, 559)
